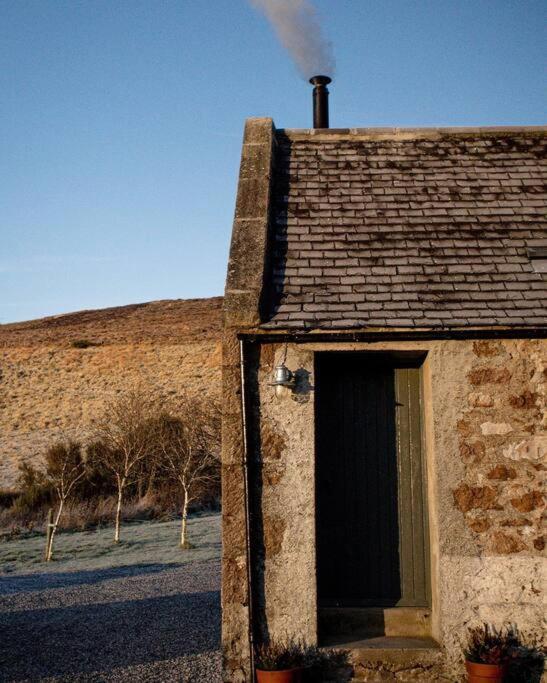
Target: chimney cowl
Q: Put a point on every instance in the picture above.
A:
(320, 101)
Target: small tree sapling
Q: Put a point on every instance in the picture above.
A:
(65, 467)
(187, 450)
(124, 437)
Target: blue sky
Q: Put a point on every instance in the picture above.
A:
(121, 124)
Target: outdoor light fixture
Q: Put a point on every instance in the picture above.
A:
(283, 377)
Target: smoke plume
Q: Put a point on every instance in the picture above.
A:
(297, 26)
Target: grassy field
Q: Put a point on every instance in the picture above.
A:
(142, 543)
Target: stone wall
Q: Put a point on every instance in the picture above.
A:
(501, 443)
(242, 302)
(285, 502)
(484, 427)
(498, 438)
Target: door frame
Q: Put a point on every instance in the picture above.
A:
(397, 359)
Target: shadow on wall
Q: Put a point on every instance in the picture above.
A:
(82, 639)
(302, 386)
(273, 295)
(259, 620)
(528, 667)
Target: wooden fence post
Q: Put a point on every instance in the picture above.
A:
(49, 527)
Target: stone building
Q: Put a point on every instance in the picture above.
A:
(387, 494)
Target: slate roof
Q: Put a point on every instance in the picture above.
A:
(408, 228)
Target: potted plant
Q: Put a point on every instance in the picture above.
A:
(282, 661)
(487, 653)
(526, 659)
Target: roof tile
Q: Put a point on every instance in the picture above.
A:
(404, 231)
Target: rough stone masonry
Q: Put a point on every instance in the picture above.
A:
(413, 242)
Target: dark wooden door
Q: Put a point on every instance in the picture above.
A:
(371, 522)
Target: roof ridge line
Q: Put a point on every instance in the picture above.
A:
(410, 131)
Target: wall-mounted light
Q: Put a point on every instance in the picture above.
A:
(283, 377)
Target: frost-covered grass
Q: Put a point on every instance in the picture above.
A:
(141, 611)
(142, 543)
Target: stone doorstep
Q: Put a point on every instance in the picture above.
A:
(392, 659)
(390, 650)
(350, 623)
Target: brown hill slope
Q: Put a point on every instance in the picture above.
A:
(57, 372)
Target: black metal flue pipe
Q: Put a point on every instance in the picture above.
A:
(320, 101)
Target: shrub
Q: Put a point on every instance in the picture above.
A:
(65, 469)
(325, 662)
(35, 490)
(15, 522)
(83, 343)
(100, 511)
(98, 481)
(150, 490)
(489, 645)
(79, 516)
(526, 659)
(7, 498)
(287, 654)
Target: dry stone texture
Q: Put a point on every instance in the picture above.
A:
(285, 502)
(242, 303)
(484, 507)
(506, 484)
(372, 231)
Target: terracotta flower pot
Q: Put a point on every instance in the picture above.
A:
(286, 676)
(485, 673)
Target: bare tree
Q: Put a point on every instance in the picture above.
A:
(65, 467)
(124, 437)
(187, 446)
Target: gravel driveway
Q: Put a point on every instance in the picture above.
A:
(145, 622)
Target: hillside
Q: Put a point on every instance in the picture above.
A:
(57, 372)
